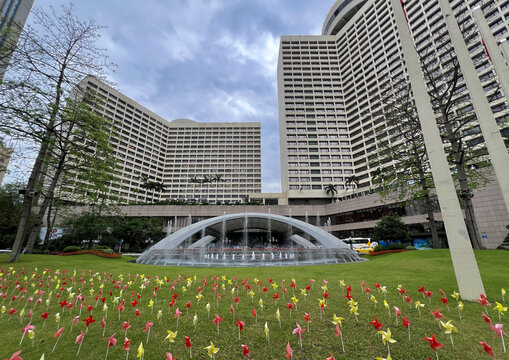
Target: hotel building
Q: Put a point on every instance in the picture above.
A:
(172, 153)
(330, 85)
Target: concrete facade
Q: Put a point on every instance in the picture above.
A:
(173, 152)
(329, 88)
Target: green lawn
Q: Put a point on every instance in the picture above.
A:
(430, 269)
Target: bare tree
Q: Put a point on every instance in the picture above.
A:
(47, 64)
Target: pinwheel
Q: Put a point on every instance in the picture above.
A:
(483, 300)
(502, 291)
(418, 305)
(240, 325)
(406, 323)
(387, 339)
(217, 320)
(16, 356)
(255, 315)
(397, 311)
(159, 316)
(25, 330)
(322, 305)
(373, 300)
(126, 346)
(437, 315)
(177, 315)
(79, 340)
(207, 307)
(429, 294)
(260, 303)
(497, 328)
(501, 309)
(267, 333)
(169, 356)
(487, 348)
(148, 326)
(449, 328)
(88, 321)
(212, 350)
(57, 334)
(336, 320)
(189, 346)
(460, 308)
(111, 342)
(278, 317)
(376, 324)
(245, 350)
(456, 296)
(195, 320)
(232, 310)
(103, 325)
(298, 330)
(289, 351)
(31, 335)
(386, 305)
(307, 319)
(57, 319)
(125, 327)
(434, 344)
(141, 351)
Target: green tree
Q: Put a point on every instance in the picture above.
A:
(403, 171)
(217, 179)
(46, 66)
(352, 182)
(390, 227)
(331, 190)
(151, 185)
(10, 210)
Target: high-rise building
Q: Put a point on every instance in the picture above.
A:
(13, 16)
(330, 86)
(5, 157)
(195, 161)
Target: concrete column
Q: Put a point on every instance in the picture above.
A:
(465, 266)
(505, 49)
(492, 137)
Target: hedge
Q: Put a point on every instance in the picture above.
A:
(374, 253)
(93, 252)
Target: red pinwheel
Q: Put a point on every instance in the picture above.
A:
(125, 326)
(378, 325)
(483, 300)
(435, 345)
(126, 345)
(217, 320)
(444, 300)
(80, 337)
(245, 350)
(148, 325)
(437, 314)
(89, 320)
(255, 314)
(331, 357)
(240, 325)
(188, 341)
(406, 322)
(487, 348)
(486, 318)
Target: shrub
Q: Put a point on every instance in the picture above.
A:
(379, 248)
(395, 247)
(71, 248)
(107, 251)
(37, 251)
(410, 247)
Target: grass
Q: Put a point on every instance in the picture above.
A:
(430, 269)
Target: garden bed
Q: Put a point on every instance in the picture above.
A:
(375, 253)
(93, 252)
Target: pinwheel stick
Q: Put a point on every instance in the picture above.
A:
(54, 347)
(107, 349)
(79, 347)
(452, 342)
(503, 343)
(190, 353)
(342, 344)
(148, 334)
(127, 355)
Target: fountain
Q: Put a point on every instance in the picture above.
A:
(240, 240)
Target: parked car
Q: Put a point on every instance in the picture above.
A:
(364, 249)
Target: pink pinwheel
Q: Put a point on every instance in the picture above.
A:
(169, 356)
(240, 325)
(57, 334)
(125, 327)
(245, 350)
(217, 320)
(435, 345)
(487, 348)
(126, 345)
(177, 315)
(299, 331)
(25, 330)
(111, 341)
(398, 314)
(497, 328)
(378, 325)
(289, 351)
(15, 356)
(148, 325)
(80, 337)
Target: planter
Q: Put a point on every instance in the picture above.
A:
(93, 252)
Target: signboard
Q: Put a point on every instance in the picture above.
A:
(55, 233)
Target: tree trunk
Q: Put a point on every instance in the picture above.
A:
(470, 220)
(50, 222)
(28, 199)
(432, 224)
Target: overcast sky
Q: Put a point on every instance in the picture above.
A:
(206, 60)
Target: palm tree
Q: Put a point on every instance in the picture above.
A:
(217, 179)
(151, 185)
(194, 180)
(206, 180)
(331, 190)
(352, 180)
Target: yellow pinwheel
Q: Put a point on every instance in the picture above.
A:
(141, 350)
(251, 295)
(211, 349)
(354, 310)
(151, 303)
(341, 283)
(449, 327)
(336, 320)
(388, 358)
(386, 336)
(278, 316)
(500, 308)
(266, 329)
(159, 314)
(171, 336)
(303, 292)
(460, 306)
(373, 299)
(274, 285)
(455, 295)
(260, 302)
(195, 320)
(294, 300)
(199, 296)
